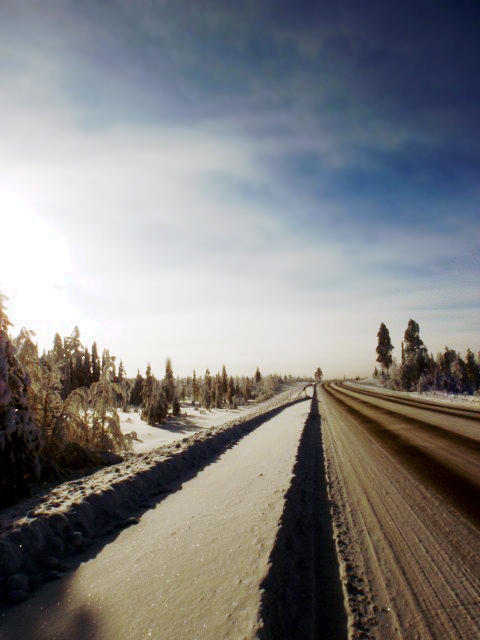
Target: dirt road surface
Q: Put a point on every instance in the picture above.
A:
(210, 561)
(405, 482)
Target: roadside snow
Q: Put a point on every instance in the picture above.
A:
(191, 420)
(38, 535)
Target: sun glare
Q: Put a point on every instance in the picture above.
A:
(34, 260)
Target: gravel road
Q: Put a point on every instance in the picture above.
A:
(404, 479)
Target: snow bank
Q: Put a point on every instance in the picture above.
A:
(40, 534)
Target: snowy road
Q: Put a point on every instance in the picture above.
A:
(194, 565)
(405, 479)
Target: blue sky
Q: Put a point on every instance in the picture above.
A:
(241, 183)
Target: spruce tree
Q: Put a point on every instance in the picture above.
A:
(384, 349)
(414, 357)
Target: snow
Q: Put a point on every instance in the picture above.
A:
(40, 534)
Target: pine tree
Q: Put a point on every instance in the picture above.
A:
(20, 440)
(384, 349)
(258, 376)
(318, 375)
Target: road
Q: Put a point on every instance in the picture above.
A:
(231, 554)
(404, 480)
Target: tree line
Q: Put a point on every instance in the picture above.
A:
(419, 370)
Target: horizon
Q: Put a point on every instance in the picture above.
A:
(256, 186)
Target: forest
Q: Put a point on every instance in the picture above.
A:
(59, 409)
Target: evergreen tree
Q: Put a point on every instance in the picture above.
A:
(217, 392)
(207, 390)
(318, 375)
(224, 382)
(169, 388)
(472, 371)
(95, 363)
(57, 350)
(414, 357)
(121, 376)
(154, 403)
(136, 393)
(195, 387)
(20, 440)
(258, 376)
(384, 349)
(231, 392)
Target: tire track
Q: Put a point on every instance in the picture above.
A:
(430, 405)
(408, 559)
(460, 492)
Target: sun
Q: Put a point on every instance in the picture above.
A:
(34, 259)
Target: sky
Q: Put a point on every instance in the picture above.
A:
(241, 183)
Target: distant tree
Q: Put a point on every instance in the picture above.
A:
(20, 440)
(472, 371)
(195, 387)
(414, 357)
(95, 363)
(218, 392)
(154, 403)
(224, 383)
(168, 384)
(318, 375)
(384, 349)
(231, 391)
(207, 390)
(258, 376)
(136, 392)
(121, 375)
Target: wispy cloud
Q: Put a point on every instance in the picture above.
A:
(245, 183)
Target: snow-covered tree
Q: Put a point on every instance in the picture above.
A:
(20, 440)
(384, 349)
